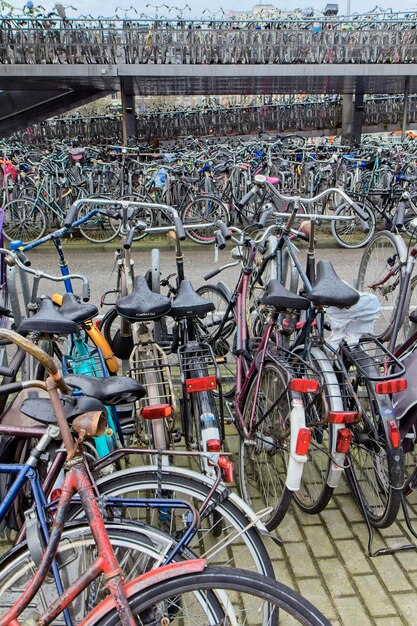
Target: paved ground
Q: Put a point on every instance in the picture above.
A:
(324, 556)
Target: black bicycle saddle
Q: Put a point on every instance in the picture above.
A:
(48, 321)
(330, 290)
(189, 304)
(41, 410)
(142, 304)
(76, 311)
(280, 298)
(111, 390)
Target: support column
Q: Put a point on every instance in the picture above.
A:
(405, 109)
(128, 114)
(352, 111)
(359, 112)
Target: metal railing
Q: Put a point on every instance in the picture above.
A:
(41, 40)
(106, 129)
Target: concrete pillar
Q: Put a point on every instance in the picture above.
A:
(359, 111)
(128, 114)
(352, 111)
(405, 109)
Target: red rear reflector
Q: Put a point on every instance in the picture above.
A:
(156, 412)
(342, 417)
(344, 437)
(304, 385)
(394, 433)
(391, 386)
(200, 384)
(303, 441)
(227, 466)
(97, 324)
(213, 445)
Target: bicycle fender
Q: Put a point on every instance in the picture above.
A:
(153, 577)
(296, 461)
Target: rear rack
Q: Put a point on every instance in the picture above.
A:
(372, 359)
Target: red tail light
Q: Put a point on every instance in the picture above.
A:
(213, 445)
(391, 386)
(394, 433)
(304, 385)
(156, 412)
(97, 323)
(342, 417)
(344, 437)
(200, 384)
(303, 441)
(228, 467)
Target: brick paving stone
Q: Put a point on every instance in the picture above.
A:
(348, 508)
(284, 574)
(300, 560)
(407, 560)
(336, 524)
(361, 534)
(389, 621)
(304, 519)
(336, 577)
(317, 594)
(352, 612)
(319, 541)
(407, 603)
(354, 558)
(289, 529)
(391, 573)
(376, 598)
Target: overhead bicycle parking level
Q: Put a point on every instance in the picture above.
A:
(82, 59)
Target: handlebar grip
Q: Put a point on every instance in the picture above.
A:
(399, 218)
(363, 216)
(220, 241)
(179, 228)
(224, 230)
(211, 274)
(86, 292)
(8, 372)
(71, 216)
(128, 241)
(23, 258)
(263, 218)
(247, 197)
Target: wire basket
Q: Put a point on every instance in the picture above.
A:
(92, 364)
(148, 364)
(372, 360)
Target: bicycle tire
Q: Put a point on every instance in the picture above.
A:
(204, 209)
(274, 598)
(100, 228)
(250, 551)
(351, 235)
(373, 268)
(315, 493)
(375, 468)
(78, 544)
(223, 345)
(24, 220)
(257, 463)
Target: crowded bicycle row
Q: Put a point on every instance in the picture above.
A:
(307, 373)
(210, 180)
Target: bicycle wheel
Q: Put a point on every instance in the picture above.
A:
(184, 484)
(223, 345)
(351, 234)
(315, 493)
(381, 254)
(204, 209)
(138, 550)
(243, 598)
(375, 468)
(100, 228)
(263, 458)
(139, 215)
(24, 220)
